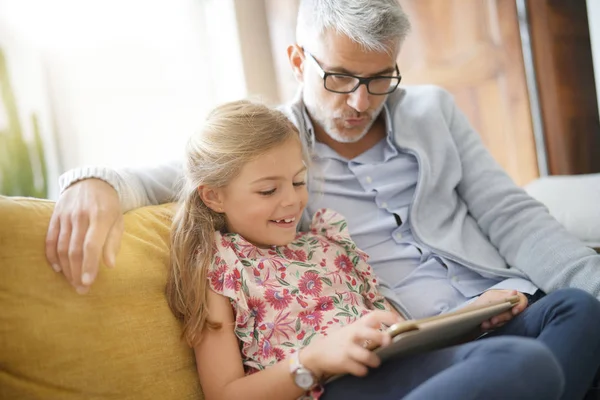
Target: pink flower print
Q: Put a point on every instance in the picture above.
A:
(300, 255)
(279, 299)
(217, 277)
(233, 281)
(289, 253)
(241, 319)
(302, 303)
(312, 318)
(352, 298)
(265, 348)
(257, 308)
(226, 242)
(247, 250)
(324, 303)
(343, 262)
(300, 336)
(279, 354)
(310, 284)
(282, 326)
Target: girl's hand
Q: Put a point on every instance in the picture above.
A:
(501, 319)
(344, 351)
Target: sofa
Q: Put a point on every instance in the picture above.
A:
(120, 341)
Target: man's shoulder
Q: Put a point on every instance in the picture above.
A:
(415, 98)
(292, 109)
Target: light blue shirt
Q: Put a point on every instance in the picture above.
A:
(368, 190)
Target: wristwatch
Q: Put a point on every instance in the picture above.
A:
(303, 377)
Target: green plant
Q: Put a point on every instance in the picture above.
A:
(23, 170)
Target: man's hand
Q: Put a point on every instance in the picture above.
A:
(87, 222)
(501, 319)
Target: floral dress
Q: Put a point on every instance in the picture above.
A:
(285, 296)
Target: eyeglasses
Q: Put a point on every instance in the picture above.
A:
(346, 83)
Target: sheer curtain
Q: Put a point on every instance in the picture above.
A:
(129, 80)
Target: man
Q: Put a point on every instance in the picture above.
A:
(422, 196)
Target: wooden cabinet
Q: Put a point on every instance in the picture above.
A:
(473, 48)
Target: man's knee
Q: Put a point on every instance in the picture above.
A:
(579, 300)
(530, 358)
(529, 349)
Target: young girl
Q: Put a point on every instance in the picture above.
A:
(270, 312)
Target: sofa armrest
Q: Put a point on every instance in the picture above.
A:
(120, 341)
(574, 201)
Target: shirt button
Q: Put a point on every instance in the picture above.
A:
(398, 235)
(368, 179)
(384, 205)
(455, 279)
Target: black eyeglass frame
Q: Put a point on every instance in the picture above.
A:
(361, 80)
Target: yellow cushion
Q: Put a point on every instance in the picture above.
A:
(120, 341)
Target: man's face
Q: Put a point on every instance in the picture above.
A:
(346, 118)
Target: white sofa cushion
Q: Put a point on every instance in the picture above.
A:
(574, 200)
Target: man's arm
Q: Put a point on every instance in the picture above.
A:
(136, 187)
(517, 225)
(87, 222)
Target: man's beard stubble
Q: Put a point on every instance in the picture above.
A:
(328, 124)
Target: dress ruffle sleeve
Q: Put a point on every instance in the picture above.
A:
(226, 277)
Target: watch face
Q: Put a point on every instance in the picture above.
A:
(304, 379)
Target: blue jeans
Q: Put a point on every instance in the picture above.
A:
(549, 351)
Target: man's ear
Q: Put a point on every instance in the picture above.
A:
(212, 197)
(296, 58)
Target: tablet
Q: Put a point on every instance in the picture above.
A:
(442, 330)
(414, 336)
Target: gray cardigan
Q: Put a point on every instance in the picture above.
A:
(466, 208)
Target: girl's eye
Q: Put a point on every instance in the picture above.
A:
(267, 192)
(300, 183)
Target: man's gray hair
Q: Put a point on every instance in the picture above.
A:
(377, 25)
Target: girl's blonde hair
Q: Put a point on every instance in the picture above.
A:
(234, 134)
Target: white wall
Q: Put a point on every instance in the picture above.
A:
(129, 80)
(593, 7)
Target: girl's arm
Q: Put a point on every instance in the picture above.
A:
(220, 365)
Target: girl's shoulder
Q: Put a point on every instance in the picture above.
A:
(334, 227)
(234, 248)
(330, 224)
(226, 249)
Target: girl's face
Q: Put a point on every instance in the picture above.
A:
(265, 201)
